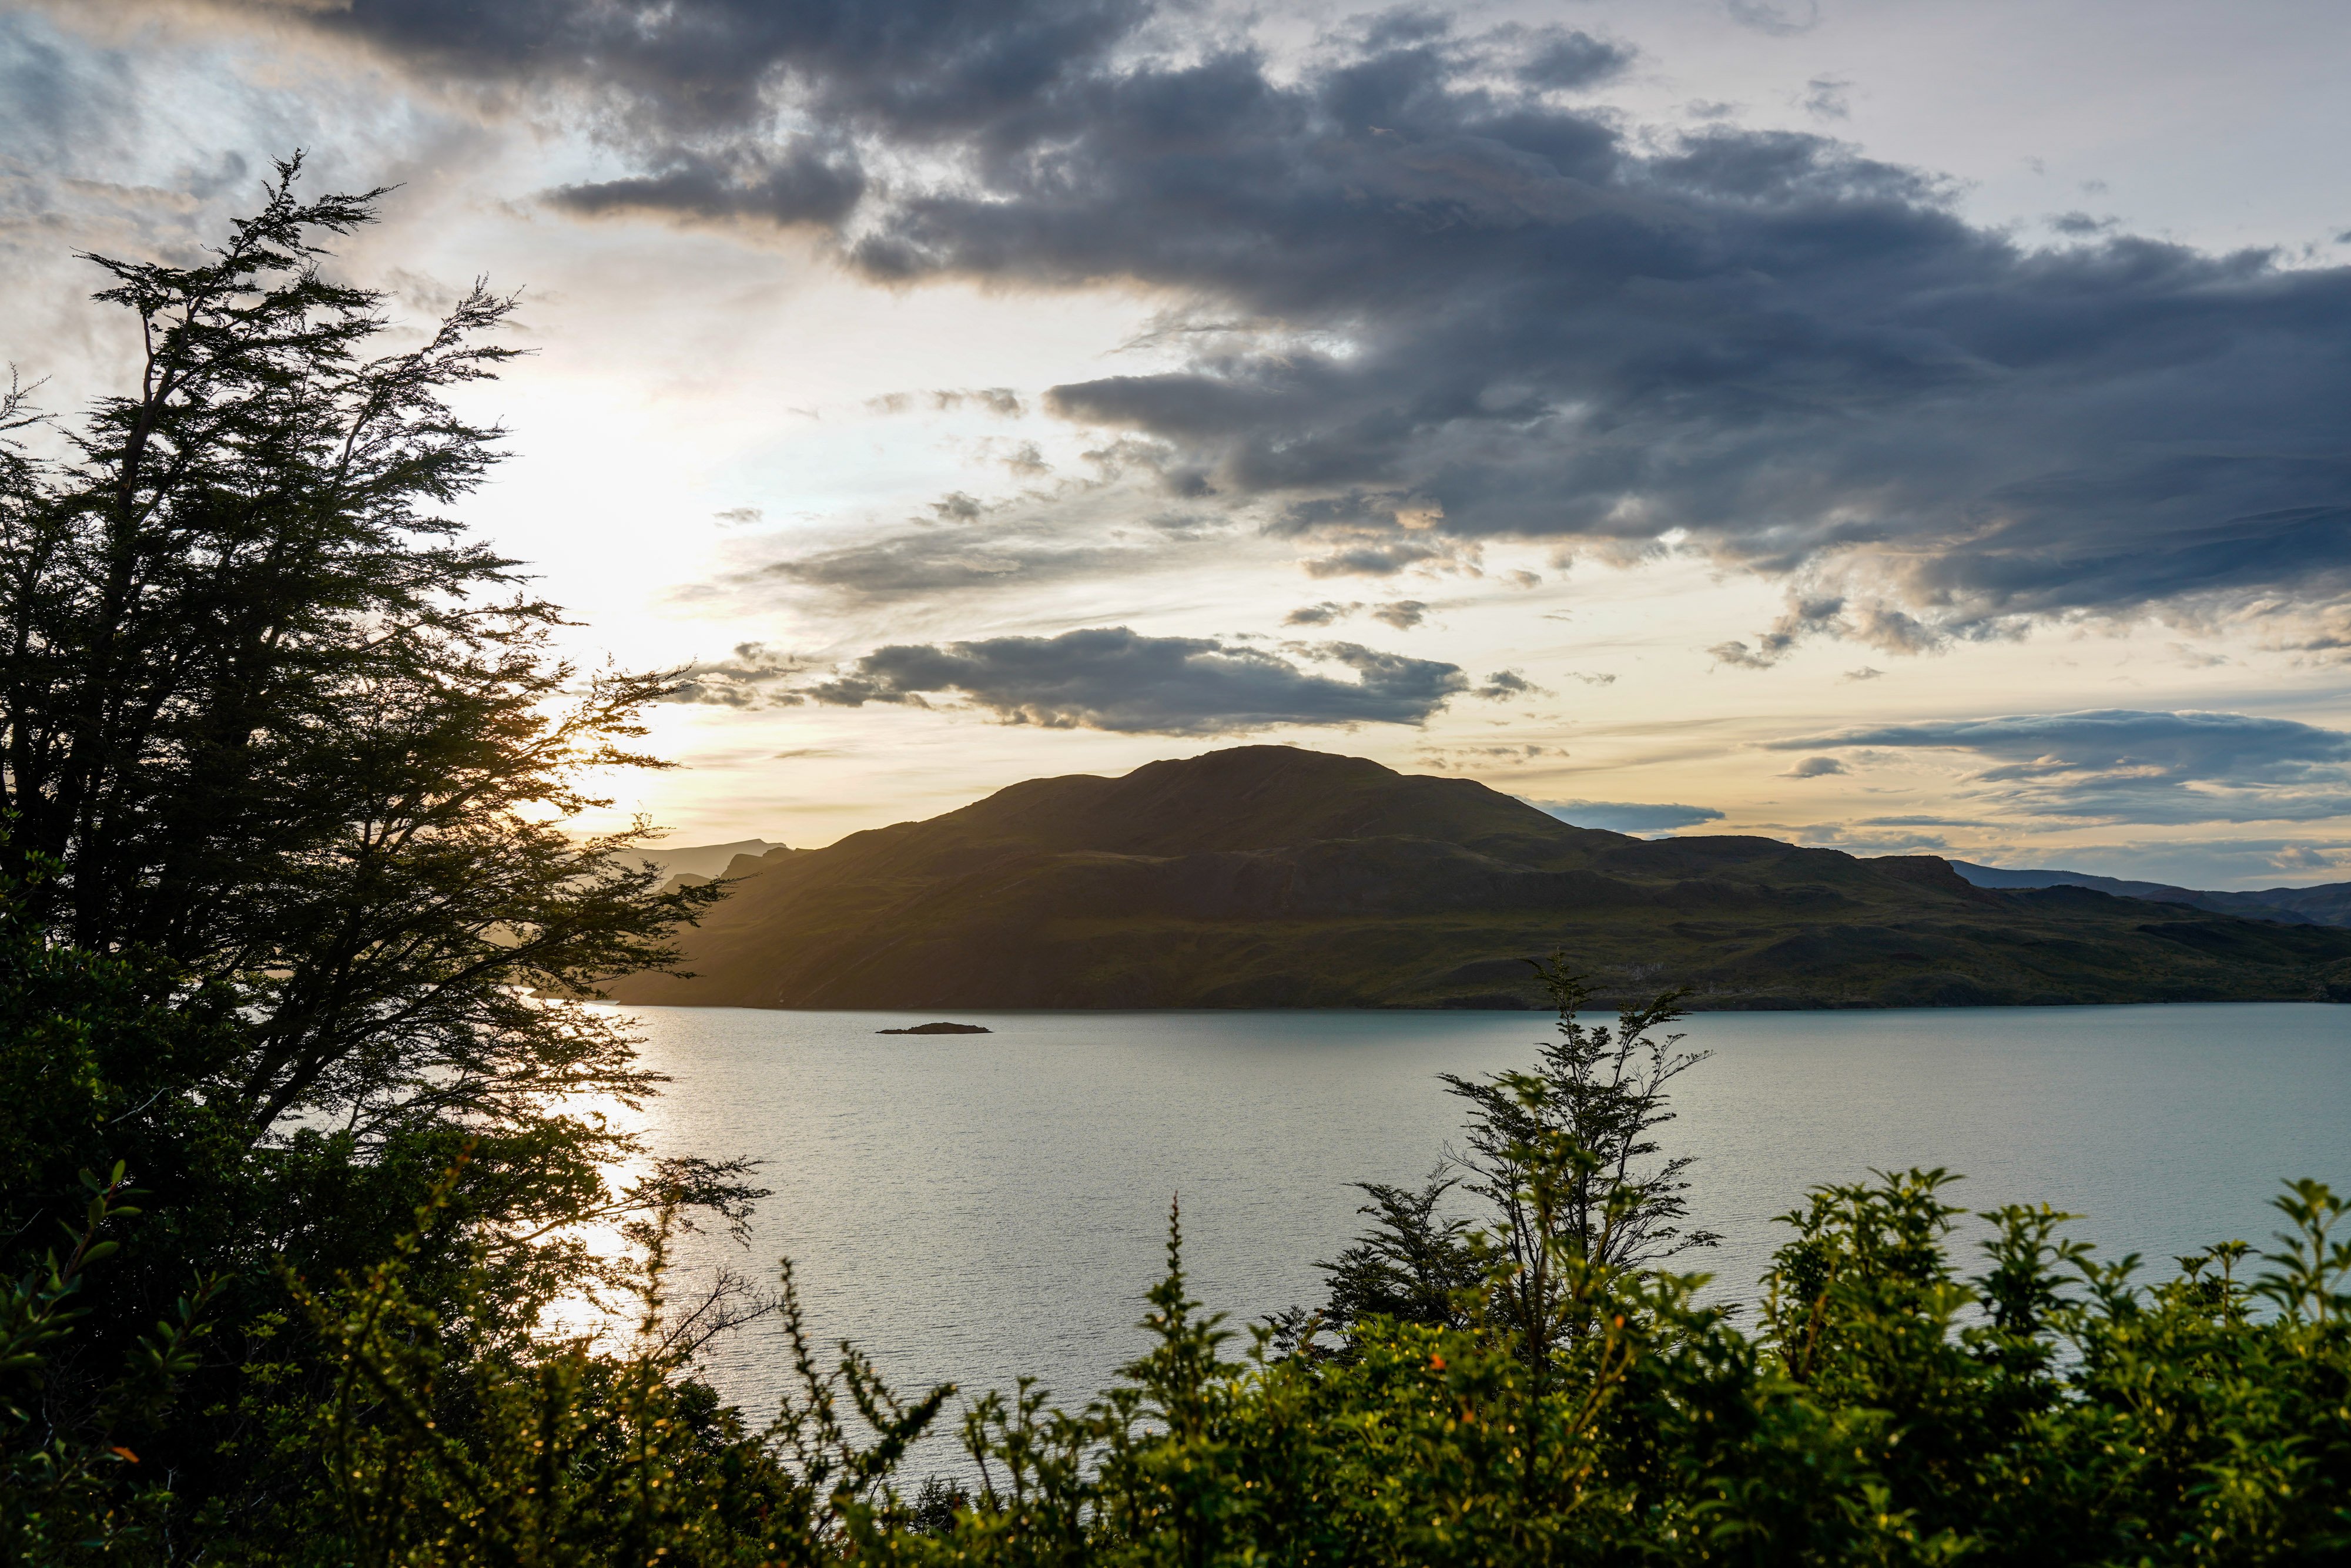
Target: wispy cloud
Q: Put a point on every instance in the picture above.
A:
(2121, 765)
(1629, 816)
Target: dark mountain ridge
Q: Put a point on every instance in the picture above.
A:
(1268, 876)
(2326, 903)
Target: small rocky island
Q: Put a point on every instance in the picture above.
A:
(940, 1028)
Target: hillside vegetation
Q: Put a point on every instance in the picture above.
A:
(1269, 876)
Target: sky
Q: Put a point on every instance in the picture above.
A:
(1899, 425)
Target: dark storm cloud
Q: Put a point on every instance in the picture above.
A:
(1801, 359)
(717, 66)
(2130, 765)
(1440, 303)
(802, 184)
(1628, 816)
(1113, 678)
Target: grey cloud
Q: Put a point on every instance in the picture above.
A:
(1827, 98)
(802, 184)
(687, 68)
(1781, 21)
(1628, 816)
(1867, 673)
(1567, 60)
(922, 565)
(2132, 765)
(747, 679)
(1404, 614)
(1801, 357)
(1113, 678)
(1000, 400)
(1503, 685)
(1815, 768)
(2080, 223)
(1451, 308)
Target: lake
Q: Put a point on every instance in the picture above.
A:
(978, 1206)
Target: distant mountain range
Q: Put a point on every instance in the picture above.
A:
(1267, 876)
(700, 862)
(2328, 904)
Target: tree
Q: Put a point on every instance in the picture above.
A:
(290, 766)
(1413, 1265)
(1564, 1153)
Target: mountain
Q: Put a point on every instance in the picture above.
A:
(2327, 903)
(1268, 877)
(701, 861)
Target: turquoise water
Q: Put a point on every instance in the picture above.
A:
(974, 1207)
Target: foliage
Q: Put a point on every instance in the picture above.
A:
(2046, 1410)
(291, 910)
(290, 931)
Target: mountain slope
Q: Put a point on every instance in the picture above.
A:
(1267, 876)
(2328, 904)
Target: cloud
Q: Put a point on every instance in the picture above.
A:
(1867, 673)
(1113, 678)
(1780, 21)
(2080, 224)
(2131, 765)
(1740, 656)
(1503, 685)
(1828, 97)
(903, 567)
(1628, 816)
(752, 677)
(1792, 359)
(1404, 614)
(1815, 768)
(1565, 61)
(797, 184)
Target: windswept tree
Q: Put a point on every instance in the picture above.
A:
(1565, 1155)
(288, 769)
(1575, 1191)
